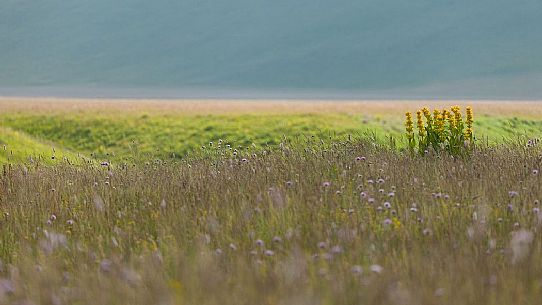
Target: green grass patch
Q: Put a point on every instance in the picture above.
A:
(143, 136)
(16, 147)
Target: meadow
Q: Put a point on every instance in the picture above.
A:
(128, 130)
(265, 203)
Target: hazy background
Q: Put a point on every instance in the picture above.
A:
(272, 48)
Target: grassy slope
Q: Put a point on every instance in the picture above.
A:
(163, 135)
(18, 146)
(141, 135)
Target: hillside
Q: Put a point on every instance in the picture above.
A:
(18, 147)
(453, 48)
(144, 130)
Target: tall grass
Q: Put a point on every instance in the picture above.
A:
(316, 222)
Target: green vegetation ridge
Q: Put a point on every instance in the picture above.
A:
(142, 136)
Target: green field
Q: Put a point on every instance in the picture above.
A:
(18, 146)
(147, 134)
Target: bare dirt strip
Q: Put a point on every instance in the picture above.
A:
(531, 109)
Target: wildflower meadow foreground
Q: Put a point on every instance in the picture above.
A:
(444, 219)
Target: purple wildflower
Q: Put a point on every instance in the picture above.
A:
(337, 250)
(357, 269)
(376, 268)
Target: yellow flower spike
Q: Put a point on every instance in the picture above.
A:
(457, 116)
(426, 112)
(468, 133)
(421, 129)
(469, 122)
(451, 120)
(455, 109)
(439, 124)
(409, 125)
(427, 115)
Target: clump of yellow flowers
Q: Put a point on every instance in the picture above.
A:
(443, 130)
